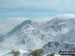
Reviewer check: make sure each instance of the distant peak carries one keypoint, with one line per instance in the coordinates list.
(27, 21)
(65, 16)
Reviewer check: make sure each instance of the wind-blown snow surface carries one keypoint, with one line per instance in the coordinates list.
(33, 35)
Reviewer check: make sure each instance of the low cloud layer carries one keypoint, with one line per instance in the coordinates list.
(7, 24)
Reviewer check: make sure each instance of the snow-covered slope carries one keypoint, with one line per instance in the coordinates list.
(54, 47)
(25, 36)
(34, 35)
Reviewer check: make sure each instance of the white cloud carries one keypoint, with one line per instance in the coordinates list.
(41, 20)
(5, 28)
(14, 21)
(8, 24)
(18, 19)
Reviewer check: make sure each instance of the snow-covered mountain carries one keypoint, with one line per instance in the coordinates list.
(34, 35)
(26, 34)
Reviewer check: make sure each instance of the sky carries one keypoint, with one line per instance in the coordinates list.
(13, 12)
(35, 8)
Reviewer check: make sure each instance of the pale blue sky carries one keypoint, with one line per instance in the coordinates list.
(35, 8)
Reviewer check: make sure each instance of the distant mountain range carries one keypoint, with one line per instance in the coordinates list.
(53, 35)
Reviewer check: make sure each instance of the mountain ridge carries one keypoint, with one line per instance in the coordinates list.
(31, 35)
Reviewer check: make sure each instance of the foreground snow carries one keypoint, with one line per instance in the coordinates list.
(8, 52)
